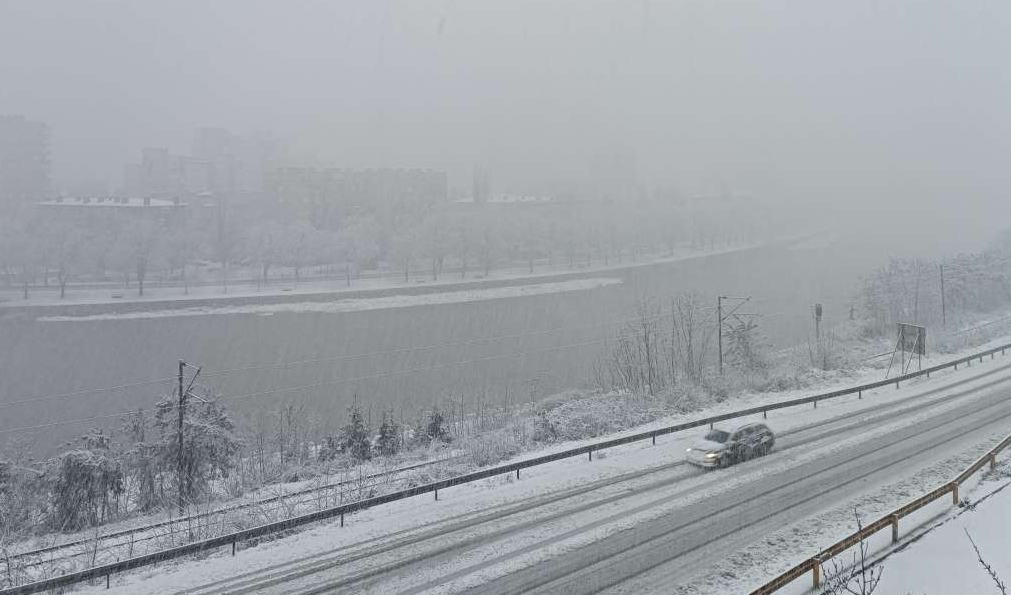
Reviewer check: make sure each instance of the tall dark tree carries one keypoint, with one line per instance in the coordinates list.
(388, 441)
(354, 437)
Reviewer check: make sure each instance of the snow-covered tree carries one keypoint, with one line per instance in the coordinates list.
(210, 444)
(388, 440)
(84, 482)
(354, 436)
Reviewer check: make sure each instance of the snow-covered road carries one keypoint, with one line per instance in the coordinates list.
(642, 521)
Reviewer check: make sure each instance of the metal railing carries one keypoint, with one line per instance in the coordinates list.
(814, 564)
(232, 539)
(87, 546)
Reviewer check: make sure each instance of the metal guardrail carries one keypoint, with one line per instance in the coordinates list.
(813, 564)
(232, 539)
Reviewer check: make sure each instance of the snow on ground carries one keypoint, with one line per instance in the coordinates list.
(943, 561)
(357, 305)
(248, 288)
(504, 490)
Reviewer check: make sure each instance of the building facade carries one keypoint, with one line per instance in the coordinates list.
(25, 161)
(221, 164)
(324, 197)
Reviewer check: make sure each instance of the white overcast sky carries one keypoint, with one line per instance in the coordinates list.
(883, 98)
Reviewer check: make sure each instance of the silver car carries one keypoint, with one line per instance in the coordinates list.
(721, 448)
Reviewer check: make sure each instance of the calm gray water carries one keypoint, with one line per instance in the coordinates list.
(50, 358)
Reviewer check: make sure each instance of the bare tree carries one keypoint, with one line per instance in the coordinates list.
(66, 244)
(489, 247)
(139, 249)
(403, 249)
(435, 242)
(691, 332)
(297, 246)
(181, 246)
(989, 569)
(463, 242)
(265, 244)
(860, 577)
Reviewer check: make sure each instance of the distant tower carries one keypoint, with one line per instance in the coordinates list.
(481, 184)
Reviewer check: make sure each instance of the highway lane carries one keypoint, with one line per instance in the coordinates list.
(557, 543)
(676, 548)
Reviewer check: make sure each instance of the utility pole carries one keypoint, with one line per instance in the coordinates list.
(817, 322)
(182, 413)
(719, 329)
(183, 393)
(944, 314)
(721, 318)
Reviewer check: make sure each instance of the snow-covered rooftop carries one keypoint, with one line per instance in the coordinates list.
(111, 202)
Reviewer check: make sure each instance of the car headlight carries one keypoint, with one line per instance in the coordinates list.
(688, 450)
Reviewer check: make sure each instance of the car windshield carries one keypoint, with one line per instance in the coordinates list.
(717, 436)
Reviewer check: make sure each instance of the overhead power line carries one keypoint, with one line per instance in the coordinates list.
(275, 365)
(87, 391)
(331, 382)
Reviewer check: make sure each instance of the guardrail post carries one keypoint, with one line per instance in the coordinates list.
(517, 474)
(765, 414)
(816, 404)
(993, 460)
(816, 571)
(437, 495)
(1002, 351)
(954, 493)
(896, 385)
(107, 580)
(591, 455)
(342, 523)
(981, 359)
(654, 438)
(956, 365)
(895, 528)
(860, 394)
(233, 541)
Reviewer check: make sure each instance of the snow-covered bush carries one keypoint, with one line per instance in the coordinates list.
(84, 484)
(493, 447)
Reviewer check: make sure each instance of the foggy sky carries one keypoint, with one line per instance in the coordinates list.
(802, 99)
